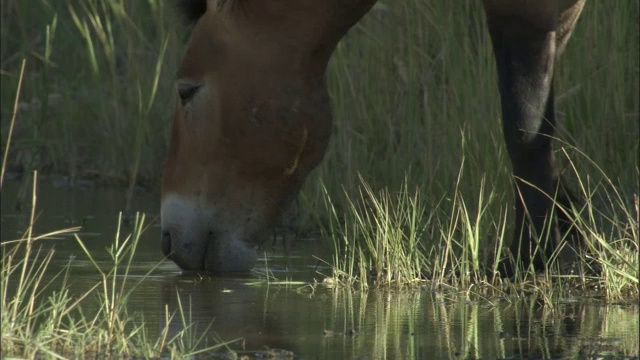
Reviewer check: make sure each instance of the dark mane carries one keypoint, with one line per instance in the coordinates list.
(192, 10)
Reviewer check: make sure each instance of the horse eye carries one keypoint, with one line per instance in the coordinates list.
(186, 91)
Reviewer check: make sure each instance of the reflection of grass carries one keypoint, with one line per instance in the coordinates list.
(397, 239)
(439, 325)
(38, 321)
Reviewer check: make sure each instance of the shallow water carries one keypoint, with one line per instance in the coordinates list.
(313, 322)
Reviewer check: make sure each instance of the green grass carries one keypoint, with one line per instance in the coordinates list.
(417, 120)
(98, 94)
(413, 88)
(398, 239)
(379, 239)
(40, 320)
(415, 189)
(416, 107)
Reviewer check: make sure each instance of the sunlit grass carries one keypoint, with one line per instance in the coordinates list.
(397, 239)
(378, 240)
(416, 107)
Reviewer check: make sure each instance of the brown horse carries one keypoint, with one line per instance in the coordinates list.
(254, 119)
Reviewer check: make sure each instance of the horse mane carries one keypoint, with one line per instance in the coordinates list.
(192, 10)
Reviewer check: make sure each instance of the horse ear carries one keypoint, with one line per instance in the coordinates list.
(192, 10)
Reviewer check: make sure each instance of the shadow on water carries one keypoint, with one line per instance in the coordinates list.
(309, 321)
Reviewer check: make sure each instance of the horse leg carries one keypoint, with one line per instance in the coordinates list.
(525, 58)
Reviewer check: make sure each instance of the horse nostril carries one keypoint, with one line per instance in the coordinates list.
(166, 243)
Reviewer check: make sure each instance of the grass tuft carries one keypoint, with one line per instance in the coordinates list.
(397, 239)
(378, 240)
(41, 321)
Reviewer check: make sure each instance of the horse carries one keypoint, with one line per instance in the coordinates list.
(253, 118)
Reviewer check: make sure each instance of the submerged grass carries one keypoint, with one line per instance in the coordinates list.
(40, 321)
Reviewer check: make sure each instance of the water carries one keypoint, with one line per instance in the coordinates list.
(313, 322)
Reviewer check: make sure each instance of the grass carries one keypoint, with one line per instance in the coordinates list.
(43, 321)
(413, 89)
(95, 71)
(416, 107)
(416, 157)
(415, 100)
(398, 239)
(415, 190)
(13, 121)
(379, 239)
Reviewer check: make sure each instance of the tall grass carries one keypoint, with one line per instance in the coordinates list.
(415, 102)
(414, 93)
(11, 124)
(413, 89)
(399, 239)
(96, 70)
(416, 106)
